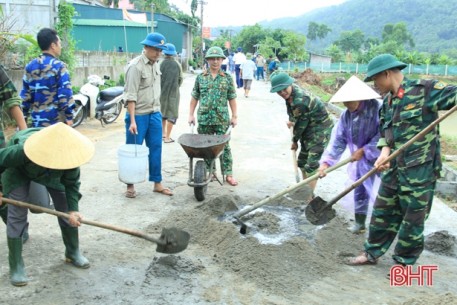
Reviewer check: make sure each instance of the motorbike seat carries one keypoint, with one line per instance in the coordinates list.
(109, 94)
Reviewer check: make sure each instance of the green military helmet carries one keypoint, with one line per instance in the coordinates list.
(280, 81)
(381, 63)
(215, 52)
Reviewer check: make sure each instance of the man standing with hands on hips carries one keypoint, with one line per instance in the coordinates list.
(143, 121)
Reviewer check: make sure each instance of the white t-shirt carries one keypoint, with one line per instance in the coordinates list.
(239, 58)
(248, 68)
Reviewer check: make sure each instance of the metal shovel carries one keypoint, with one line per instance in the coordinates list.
(171, 240)
(319, 212)
(251, 208)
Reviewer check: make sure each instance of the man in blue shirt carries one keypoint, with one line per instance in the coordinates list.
(47, 95)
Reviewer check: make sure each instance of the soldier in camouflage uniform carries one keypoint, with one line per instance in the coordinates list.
(408, 182)
(311, 121)
(213, 88)
(9, 109)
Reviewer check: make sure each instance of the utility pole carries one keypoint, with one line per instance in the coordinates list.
(152, 17)
(202, 4)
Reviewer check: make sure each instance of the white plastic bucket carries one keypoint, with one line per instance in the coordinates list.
(133, 163)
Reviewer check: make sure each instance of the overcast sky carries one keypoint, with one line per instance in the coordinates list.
(248, 12)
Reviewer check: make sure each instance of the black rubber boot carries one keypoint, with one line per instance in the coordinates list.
(72, 255)
(17, 268)
(4, 212)
(359, 225)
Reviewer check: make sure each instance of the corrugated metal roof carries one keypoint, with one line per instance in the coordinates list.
(107, 22)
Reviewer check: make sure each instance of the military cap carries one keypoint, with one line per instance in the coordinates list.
(215, 52)
(171, 49)
(381, 63)
(155, 40)
(280, 81)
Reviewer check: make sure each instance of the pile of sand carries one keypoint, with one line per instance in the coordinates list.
(275, 267)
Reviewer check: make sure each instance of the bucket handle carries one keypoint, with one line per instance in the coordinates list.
(134, 137)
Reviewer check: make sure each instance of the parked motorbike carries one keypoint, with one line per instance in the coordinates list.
(108, 102)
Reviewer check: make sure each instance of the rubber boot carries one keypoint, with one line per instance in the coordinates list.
(17, 268)
(4, 212)
(72, 255)
(359, 225)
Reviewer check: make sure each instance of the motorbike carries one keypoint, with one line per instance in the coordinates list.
(106, 103)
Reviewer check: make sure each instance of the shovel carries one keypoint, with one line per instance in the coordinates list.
(240, 214)
(171, 240)
(319, 212)
(294, 159)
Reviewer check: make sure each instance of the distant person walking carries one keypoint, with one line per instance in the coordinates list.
(239, 58)
(260, 64)
(247, 70)
(171, 80)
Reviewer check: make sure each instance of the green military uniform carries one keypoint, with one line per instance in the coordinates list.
(213, 114)
(407, 187)
(313, 127)
(8, 99)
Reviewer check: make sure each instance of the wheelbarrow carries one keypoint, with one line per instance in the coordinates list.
(202, 146)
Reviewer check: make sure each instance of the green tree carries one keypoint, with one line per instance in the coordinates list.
(269, 46)
(294, 46)
(335, 52)
(397, 33)
(316, 30)
(248, 37)
(64, 28)
(351, 40)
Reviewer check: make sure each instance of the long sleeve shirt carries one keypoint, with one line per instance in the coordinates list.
(18, 170)
(46, 91)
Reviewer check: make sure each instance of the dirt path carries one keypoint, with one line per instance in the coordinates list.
(282, 260)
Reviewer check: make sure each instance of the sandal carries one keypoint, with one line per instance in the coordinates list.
(230, 180)
(130, 194)
(362, 259)
(164, 191)
(168, 141)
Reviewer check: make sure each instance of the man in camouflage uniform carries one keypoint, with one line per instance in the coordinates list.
(311, 121)
(408, 182)
(46, 93)
(213, 88)
(9, 109)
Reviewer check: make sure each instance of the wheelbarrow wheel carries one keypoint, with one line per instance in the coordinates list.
(199, 177)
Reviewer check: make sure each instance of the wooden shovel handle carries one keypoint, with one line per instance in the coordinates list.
(291, 188)
(391, 157)
(88, 222)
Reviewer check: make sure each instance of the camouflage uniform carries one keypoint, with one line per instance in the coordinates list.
(313, 127)
(8, 99)
(407, 188)
(213, 114)
(46, 91)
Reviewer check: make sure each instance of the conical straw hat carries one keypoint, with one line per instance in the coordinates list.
(354, 90)
(59, 146)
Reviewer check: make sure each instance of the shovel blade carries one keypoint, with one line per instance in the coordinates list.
(318, 212)
(172, 241)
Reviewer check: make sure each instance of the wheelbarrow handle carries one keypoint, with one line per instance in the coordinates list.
(291, 188)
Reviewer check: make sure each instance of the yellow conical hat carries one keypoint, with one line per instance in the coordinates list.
(354, 90)
(59, 146)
